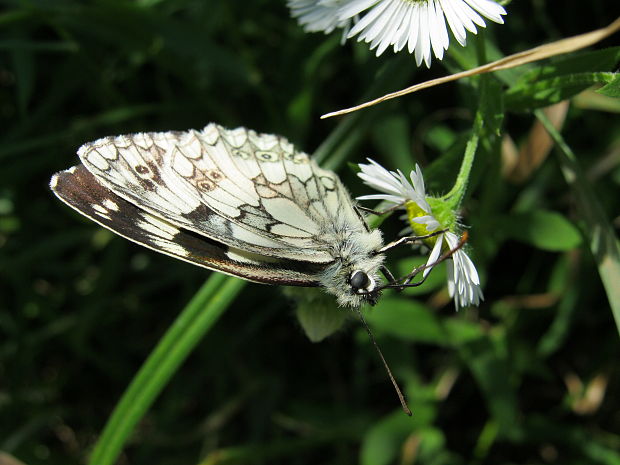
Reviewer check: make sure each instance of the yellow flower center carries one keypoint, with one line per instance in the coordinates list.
(419, 229)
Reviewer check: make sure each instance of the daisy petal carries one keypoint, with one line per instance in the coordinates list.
(432, 258)
(420, 25)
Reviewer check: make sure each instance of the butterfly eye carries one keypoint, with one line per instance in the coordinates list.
(359, 280)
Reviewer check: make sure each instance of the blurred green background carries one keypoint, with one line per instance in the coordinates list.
(532, 376)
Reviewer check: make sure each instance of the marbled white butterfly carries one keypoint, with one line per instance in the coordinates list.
(235, 201)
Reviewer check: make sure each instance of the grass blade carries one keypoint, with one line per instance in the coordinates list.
(187, 330)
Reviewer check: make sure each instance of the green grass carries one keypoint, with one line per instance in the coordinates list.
(107, 348)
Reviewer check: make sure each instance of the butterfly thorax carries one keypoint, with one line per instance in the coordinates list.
(354, 252)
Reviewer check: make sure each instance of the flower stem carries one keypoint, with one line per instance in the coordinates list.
(457, 193)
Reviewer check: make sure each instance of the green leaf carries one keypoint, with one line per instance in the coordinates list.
(588, 62)
(407, 319)
(543, 229)
(544, 92)
(563, 78)
(317, 312)
(612, 89)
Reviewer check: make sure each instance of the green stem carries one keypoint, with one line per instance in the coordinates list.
(187, 330)
(457, 193)
(599, 232)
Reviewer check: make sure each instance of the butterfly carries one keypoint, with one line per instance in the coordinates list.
(232, 200)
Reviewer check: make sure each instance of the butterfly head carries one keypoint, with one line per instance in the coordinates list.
(353, 286)
(364, 285)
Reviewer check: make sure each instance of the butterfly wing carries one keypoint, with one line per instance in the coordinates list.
(79, 189)
(250, 191)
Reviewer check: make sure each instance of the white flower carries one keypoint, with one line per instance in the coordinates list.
(398, 190)
(419, 24)
(462, 276)
(319, 15)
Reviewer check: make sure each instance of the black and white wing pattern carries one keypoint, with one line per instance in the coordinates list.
(251, 191)
(236, 201)
(79, 189)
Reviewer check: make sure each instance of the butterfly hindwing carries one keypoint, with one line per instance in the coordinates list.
(78, 188)
(250, 191)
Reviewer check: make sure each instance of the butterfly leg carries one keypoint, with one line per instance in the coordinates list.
(389, 277)
(406, 280)
(387, 274)
(409, 240)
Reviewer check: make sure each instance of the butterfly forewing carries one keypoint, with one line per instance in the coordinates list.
(250, 191)
(78, 188)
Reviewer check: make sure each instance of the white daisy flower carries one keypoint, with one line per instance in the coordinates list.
(419, 24)
(462, 276)
(320, 15)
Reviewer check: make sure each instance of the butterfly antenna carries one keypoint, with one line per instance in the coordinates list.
(401, 397)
